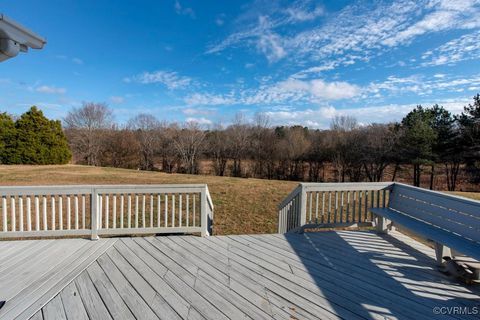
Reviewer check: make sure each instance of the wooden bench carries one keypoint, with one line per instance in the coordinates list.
(451, 222)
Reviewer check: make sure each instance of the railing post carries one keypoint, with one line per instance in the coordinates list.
(94, 214)
(303, 205)
(204, 212)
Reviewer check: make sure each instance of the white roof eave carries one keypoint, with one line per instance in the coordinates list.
(20, 34)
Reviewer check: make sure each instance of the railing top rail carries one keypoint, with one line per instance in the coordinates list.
(346, 186)
(292, 195)
(88, 189)
(209, 198)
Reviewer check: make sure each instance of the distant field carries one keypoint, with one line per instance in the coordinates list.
(241, 205)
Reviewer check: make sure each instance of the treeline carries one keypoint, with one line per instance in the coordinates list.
(32, 139)
(428, 140)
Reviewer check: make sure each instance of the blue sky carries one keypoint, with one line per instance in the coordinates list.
(300, 62)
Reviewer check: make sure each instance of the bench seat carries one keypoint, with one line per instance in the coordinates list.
(450, 221)
(431, 232)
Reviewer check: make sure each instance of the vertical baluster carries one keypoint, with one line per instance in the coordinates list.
(37, 213)
(44, 213)
(336, 208)
(188, 210)
(347, 215)
(323, 207)
(4, 214)
(143, 211)
(360, 197)
(151, 210)
(114, 208)
(310, 207)
(84, 205)
(354, 204)
(384, 199)
(53, 213)
(166, 209)
(100, 211)
(158, 209)
(29, 213)
(60, 211)
(194, 209)
(173, 210)
(122, 199)
(372, 203)
(136, 210)
(107, 210)
(367, 194)
(129, 213)
(75, 203)
(342, 193)
(69, 212)
(316, 207)
(180, 210)
(20, 213)
(329, 207)
(13, 214)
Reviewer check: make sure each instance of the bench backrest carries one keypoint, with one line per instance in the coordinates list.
(451, 213)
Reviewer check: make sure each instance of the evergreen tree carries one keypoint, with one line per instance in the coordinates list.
(7, 139)
(39, 140)
(418, 140)
(470, 128)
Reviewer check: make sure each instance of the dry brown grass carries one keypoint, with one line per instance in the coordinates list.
(242, 206)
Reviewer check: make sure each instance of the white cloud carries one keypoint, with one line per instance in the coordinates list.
(180, 10)
(421, 85)
(321, 117)
(50, 89)
(467, 47)
(320, 89)
(358, 32)
(117, 99)
(170, 79)
(200, 121)
(270, 45)
(302, 13)
(196, 111)
(287, 91)
(209, 99)
(77, 60)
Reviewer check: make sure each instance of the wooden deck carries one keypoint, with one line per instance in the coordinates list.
(327, 275)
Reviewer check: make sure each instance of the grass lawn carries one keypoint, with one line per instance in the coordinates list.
(242, 206)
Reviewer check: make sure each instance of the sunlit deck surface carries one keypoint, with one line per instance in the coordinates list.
(326, 275)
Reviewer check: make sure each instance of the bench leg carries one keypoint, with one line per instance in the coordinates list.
(382, 225)
(441, 251)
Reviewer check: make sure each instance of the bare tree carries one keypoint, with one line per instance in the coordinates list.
(85, 127)
(188, 141)
(218, 149)
(120, 150)
(238, 135)
(146, 127)
(343, 123)
(377, 144)
(344, 148)
(293, 149)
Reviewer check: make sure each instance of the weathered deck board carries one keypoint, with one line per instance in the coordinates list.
(326, 275)
(43, 269)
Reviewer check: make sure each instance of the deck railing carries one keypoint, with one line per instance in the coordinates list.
(331, 204)
(46, 211)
